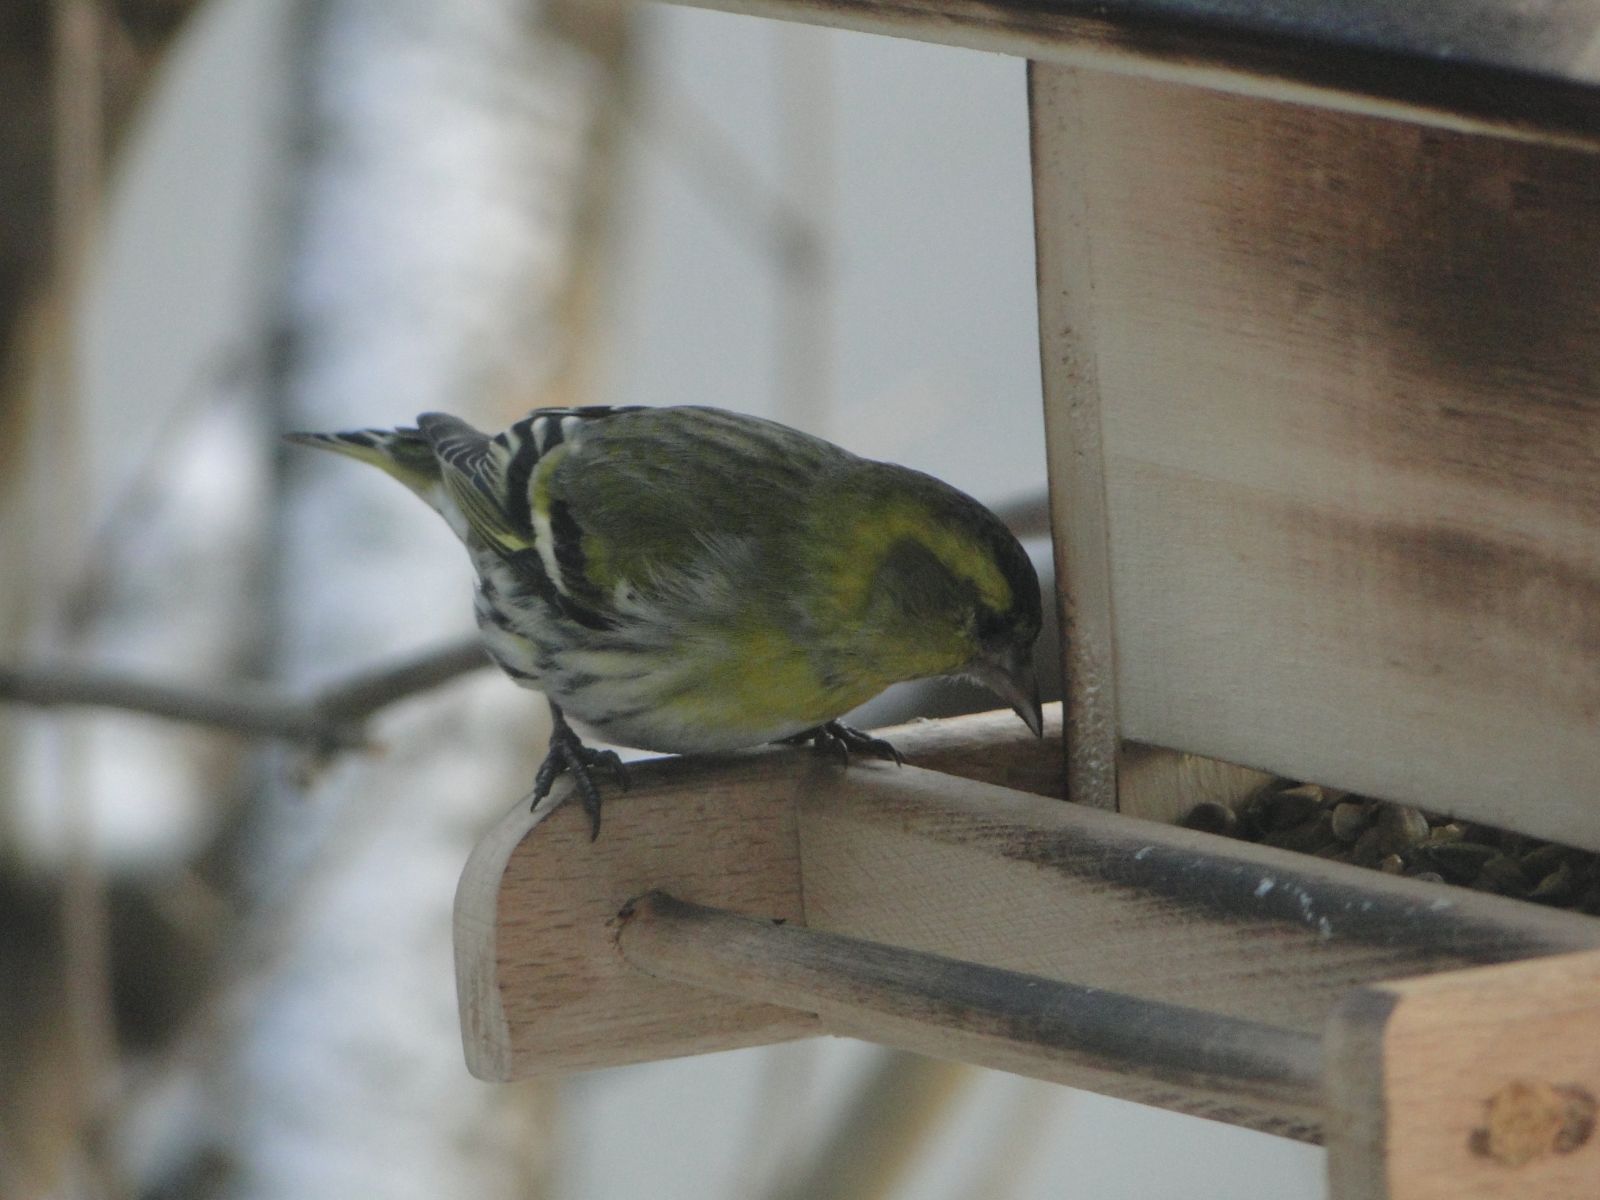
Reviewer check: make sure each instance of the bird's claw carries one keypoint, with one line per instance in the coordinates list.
(568, 755)
(843, 740)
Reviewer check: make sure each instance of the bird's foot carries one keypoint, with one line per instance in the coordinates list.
(843, 740)
(568, 755)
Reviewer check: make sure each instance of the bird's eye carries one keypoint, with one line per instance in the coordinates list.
(986, 624)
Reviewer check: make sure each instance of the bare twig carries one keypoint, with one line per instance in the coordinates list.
(357, 698)
(78, 131)
(784, 1092)
(880, 1132)
(239, 709)
(242, 709)
(77, 73)
(1023, 1132)
(330, 719)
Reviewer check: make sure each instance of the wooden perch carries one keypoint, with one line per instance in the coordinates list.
(927, 863)
(1478, 1083)
(946, 1008)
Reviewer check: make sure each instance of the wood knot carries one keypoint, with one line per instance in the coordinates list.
(1528, 1120)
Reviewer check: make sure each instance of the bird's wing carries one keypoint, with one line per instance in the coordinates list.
(500, 486)
(593, 505)
(402, 453)
(651, 498)
(472, 467)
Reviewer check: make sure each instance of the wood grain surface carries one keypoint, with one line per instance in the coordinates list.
(926, 861)
(1163, 785)
(1524, 68)
(918, 860)
(1347, 373)
(1147, 1051)
(1471, 1085)
(539, 983)
(1075, 452)
(540, 987)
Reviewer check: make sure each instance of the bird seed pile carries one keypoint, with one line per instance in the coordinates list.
(1400, 840)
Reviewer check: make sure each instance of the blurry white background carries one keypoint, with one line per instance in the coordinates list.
(338, 213)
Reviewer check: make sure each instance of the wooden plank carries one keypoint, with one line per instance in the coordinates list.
(1351, 441)
(917, 860)
(1102, 769)
(1073, 442)
(928, 862)
(1472, 1085)
(1147, 1051)
(540, 987)
(1163, 785)
(993, 747)
(1524, 70)
(539, 983)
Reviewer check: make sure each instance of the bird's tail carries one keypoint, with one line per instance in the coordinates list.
(403, 453)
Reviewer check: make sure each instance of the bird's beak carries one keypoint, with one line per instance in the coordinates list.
(1011, 677)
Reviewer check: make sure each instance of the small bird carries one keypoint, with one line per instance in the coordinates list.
(691, 580)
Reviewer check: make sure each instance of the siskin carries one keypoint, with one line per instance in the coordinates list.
(692, 580)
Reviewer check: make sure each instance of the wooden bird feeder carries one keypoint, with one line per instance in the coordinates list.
(1319, 296)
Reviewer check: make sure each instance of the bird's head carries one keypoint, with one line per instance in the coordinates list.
(940, 586)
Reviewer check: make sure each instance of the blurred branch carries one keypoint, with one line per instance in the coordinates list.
(366, 692)
(133, 36)
(79, 127)
(1026, 1129)
(784, 1091)
(78, 102)
(804, 345)
(333, 718)
(877, 1137)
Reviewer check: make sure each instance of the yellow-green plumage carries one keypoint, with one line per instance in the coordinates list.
(688, 579)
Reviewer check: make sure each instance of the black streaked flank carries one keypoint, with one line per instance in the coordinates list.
(519, 473)
(568, 538)
(494, 612)
(625, 714)
(583, 615)
(529, 569)
(528, 441)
